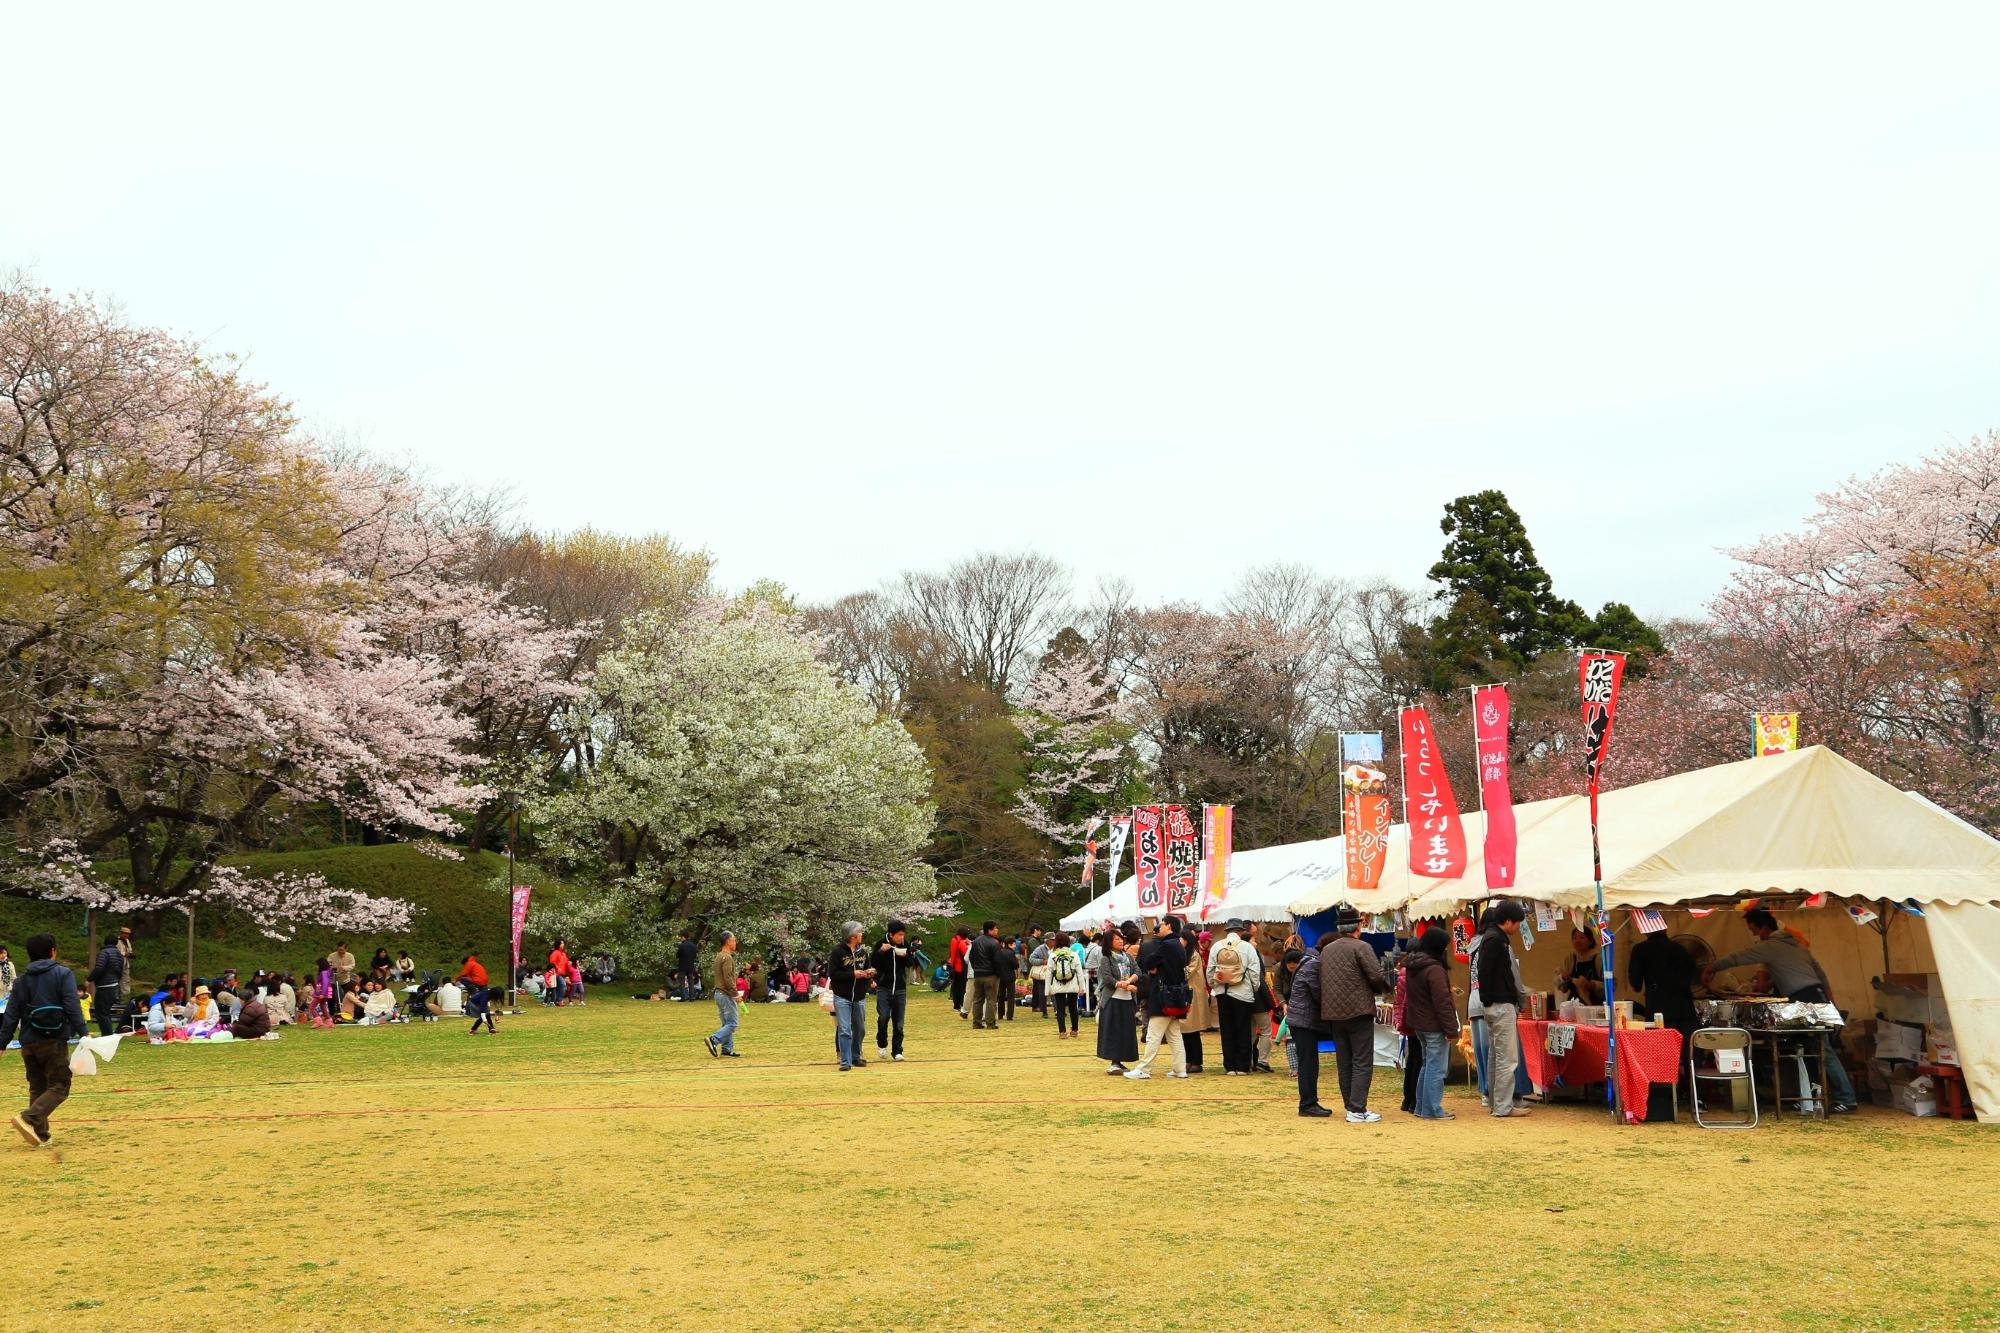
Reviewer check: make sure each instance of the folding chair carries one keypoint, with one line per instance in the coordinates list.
(1724, 1046)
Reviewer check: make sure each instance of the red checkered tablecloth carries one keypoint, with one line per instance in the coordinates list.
(1645, 1056)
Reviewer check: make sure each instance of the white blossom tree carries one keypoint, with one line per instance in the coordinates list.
(1076, 755)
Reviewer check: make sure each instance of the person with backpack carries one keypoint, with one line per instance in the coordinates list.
(1065, 986)
(1163, 964)
(43, 1008)
(1236, 976)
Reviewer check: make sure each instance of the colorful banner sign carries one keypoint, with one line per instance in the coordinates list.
(1364, 808)
(1183, 869)
(1149, 859)
(1121, 829)
(1218, 841)
(1775, 733)
(522, 892)
(1490, 722)
(1598, 677)
(1089, 851)
(1649, 921)
(1437, 836)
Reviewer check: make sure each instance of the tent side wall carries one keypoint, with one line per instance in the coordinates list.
(1966, 937)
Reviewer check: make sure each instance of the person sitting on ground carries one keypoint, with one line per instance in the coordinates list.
(280, 1001)
(380, 1006)
(379, 965)
(203, 1008)
(252, 1021)
(447, 1001)
(353, 1001)
(406, 966)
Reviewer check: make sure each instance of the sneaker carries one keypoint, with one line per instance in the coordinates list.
(734, 1055)
(1363, 1117)
(1182, 1074)
(1842, 1109)
(861, 1064)
(1115, 1070)
(713, 1049)
(895, 1057)
(28, 1132)
(1137, 1073)
(881, 1052)
(1315, 1112)
(1514, 1114)
(1442, 1115)
(845, 1068)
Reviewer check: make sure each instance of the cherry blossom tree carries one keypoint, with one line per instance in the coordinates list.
(1077, 754)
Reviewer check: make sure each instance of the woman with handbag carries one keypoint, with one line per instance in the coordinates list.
(1117, 992)
(1163, 966)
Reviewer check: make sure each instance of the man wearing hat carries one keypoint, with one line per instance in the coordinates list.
(1235, 973)
(108, 974)
(1350, 977)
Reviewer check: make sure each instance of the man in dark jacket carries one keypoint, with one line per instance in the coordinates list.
(252, 1021)
(1500, 998)
(107, 979)
(851, 977)
(1350, 977)
(43, 1008)
(891, 960)
(984, 962)
(1163, 975)
(1010, 971)
(687, 967)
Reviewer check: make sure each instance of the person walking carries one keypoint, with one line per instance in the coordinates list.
(982, 960)
(1163, 967)
(956, 966)
(43, 1007)
(850, 976)
(1117, 1000)
(1500, 1006)
(1236, 975)
(1431, 1016)
(722, 1041)
(1302, 1024)
(108, 972)
(559, 972)
(1065, 986)
(1350, 977)
(478, 1000)
(892, 960)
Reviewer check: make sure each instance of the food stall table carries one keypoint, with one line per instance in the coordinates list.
(1775, 1039)
(1645, 1056)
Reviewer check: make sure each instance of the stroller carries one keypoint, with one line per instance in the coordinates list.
(417, 1007)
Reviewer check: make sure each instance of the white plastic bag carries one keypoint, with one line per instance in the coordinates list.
(83, 1060)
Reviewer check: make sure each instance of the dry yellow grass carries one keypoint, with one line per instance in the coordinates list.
(595, 1168)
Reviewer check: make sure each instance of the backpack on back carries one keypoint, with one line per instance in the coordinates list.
(1228, 964)
(1062, 967)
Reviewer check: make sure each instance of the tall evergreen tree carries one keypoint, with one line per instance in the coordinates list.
(1488, 557)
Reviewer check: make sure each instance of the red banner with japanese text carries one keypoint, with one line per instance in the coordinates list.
(1598, 678)
(1490, 721)
(1364, 808)
(1437, 836)
(522, 892)
(1149, 859)
(1183, 843)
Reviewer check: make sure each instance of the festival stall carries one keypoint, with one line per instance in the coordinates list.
(1882, 884)
(1261, 886)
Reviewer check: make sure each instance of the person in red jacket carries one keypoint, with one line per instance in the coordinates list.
(559, 970)
(478, 1001)
(961, 944)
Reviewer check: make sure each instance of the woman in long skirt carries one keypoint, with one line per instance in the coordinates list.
(1117, 1021)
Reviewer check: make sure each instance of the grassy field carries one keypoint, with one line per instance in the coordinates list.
(596, 1168)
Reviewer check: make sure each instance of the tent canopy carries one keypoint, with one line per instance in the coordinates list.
(1805, 822)
(1262, 884)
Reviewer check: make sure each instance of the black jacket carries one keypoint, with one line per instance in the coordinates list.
(46, 982)
(1496, 969)
(1010, 964)
(985, 956)
(1162, 961)
(687, 958)
(841, 967)
(108, 969)
(892, 974)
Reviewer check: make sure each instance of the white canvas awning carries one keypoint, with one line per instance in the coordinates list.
(1262, 884)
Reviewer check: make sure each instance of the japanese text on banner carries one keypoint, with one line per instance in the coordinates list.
(1437, 836)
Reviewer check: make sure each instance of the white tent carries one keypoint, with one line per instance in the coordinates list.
(1803, 823)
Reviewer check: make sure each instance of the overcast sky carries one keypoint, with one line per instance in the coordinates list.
(1163, 291)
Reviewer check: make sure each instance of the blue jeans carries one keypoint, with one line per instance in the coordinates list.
(1430, 1078)
(1522, 1084)
(889, 1008)
(725, 1036)
(850, 1020)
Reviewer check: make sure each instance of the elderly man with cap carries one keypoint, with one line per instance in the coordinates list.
(1350, 977)
(109, 973)
(1235, 974)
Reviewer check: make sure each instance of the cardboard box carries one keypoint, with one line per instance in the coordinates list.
(1898, 1041)
(1918, 1104)
(1942, 1051)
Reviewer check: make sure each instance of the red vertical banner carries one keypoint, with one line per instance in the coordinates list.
(1490, 720)
(1149, 859)
(1598, 678)
(1437, 835)
(522, 892)
(1218, 841)
(1183, 844)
